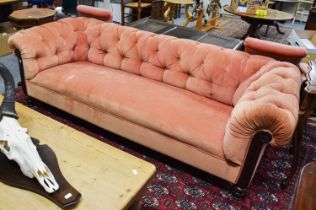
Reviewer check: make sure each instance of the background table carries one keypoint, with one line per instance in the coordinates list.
(31, 17)
(170, 6)
(256, 21)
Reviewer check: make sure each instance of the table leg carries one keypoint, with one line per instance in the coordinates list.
(166, 14)
(169, 13)
(275, 23)
(188, 16)
(252, 31)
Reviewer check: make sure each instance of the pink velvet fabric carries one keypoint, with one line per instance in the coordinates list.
(207, 70)
(165, 83)
(268, 100)
(53, 44)
(181, 114)
(275, 50)
(94, 12)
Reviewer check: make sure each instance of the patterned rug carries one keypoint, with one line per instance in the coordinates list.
(178, 186)
(237, 28)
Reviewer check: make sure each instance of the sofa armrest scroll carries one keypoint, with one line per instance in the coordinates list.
(52, 44)
(269, 102)
(93, 12)
(277, 51)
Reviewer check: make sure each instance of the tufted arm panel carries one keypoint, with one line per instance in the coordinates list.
(52, 44)
(268, 100)
(208, 70)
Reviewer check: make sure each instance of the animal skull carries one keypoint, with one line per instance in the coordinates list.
(17, 145)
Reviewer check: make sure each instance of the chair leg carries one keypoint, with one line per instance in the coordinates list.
(139, 12)
(122, 15)
(267, 29)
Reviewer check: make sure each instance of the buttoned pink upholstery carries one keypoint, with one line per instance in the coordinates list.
(275, 50)
(176, 96)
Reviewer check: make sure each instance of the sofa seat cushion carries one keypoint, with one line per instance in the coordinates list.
(188, 117)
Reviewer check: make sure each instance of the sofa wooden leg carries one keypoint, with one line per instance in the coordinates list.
(257, 145)
(239, 192)
(29, 102)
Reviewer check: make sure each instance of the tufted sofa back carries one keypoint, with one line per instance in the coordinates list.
(208, 70)
(52, 44)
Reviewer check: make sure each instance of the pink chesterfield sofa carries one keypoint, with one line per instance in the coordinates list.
(213, 108)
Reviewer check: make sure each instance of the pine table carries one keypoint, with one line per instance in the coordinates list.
(107, 178)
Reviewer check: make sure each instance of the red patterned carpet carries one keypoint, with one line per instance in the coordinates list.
(178, 186)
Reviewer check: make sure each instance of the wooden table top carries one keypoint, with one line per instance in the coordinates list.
(107, 178)
(179, 1)
(32, 13)
(272, 14)
(8, 1)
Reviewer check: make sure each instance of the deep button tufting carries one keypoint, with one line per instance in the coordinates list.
(283, 76)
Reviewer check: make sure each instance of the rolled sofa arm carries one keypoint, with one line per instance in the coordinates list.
(267, 101)
(274, 50)
(98, 13)
(52, 44)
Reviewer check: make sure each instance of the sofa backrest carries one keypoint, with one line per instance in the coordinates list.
(52, 44)
(208, 70)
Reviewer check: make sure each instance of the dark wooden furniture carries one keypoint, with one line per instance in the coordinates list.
(257, 21)
(160, 27)
(6, 7)
(25, 18)
(311, 20)
(307, 107)
(137, 6)
(306, 188)
(157, 9)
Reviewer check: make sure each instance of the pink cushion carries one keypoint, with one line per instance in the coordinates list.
(98, 13)
(176, 112)
(208, 70)
(53, 44)
(275, 50)
(268, 100)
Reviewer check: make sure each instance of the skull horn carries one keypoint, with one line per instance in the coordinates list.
(8, 104)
